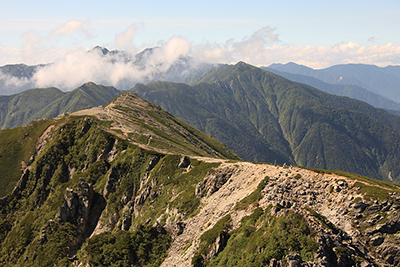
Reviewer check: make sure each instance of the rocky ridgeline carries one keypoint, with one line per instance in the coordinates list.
(354, 222)
(350, 231)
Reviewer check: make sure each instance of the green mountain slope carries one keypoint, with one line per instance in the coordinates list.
(128, 184)
(22, 108)
(349, 90)
(129, 117)
(20, 71)
(264, 117)
(127, 138)
(382, 81)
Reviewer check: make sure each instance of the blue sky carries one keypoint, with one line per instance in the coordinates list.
(314, 33)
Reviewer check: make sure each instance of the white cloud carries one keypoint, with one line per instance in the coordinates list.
(9, 55)
(263, 47)
(71, 27)
(74, 69)
(325, 56)
(174, 49)
(13, 81)
(250, 49)
(10, 85)
(80, 66)
(32, 49)
(124, 41)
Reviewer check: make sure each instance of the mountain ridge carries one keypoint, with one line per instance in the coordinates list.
(351, 91)
(91, 195)
(22, 108)
(382, 81)
(284, 118)
(150, 64)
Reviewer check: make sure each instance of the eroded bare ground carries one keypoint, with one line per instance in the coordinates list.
(293, 188)
(244, 181)
(127, 116)
(110, 114)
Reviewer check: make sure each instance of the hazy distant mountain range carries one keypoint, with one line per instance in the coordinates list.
(352, 91)
(377, 86)
(381, 81)
(120, 69)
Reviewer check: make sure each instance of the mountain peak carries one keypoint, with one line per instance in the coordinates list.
(99, 49)
(241, 63)
(150, 127)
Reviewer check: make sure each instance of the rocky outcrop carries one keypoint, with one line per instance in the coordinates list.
(390, 226)
(152, 162)
(175, 227)
(41, 142)
(213, 182)
(218, 246)
(184, 163)
(388, 249)
(142, 196)
(214, 249)
(126, 222)
(112, 179)
(77, 210)
(108, 151)
(76, 206)
(21, 183)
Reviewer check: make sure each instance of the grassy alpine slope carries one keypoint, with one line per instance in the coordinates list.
(34, 104)
(352, 91)
(93, 162)
(128, 184)
(264, 117)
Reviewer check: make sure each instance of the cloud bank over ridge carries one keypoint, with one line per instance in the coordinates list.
(262, 48)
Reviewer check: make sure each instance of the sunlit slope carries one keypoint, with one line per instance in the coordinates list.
(264, 117)
(22, 108)
(127, 116)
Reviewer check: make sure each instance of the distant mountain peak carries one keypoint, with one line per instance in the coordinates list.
(99, 49)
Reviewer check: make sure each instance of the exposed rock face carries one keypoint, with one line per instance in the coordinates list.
(142, 196)
(41, 142)
(176, 228)
(76, 206)
(39, 146)
(326, 202)
(391, 226)
(113, 178)
(126, 222)
(213, 182)
(76, 210)
(219, 245)
(184, 163)
(152, 162)
(21, 183)
(389, 250)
